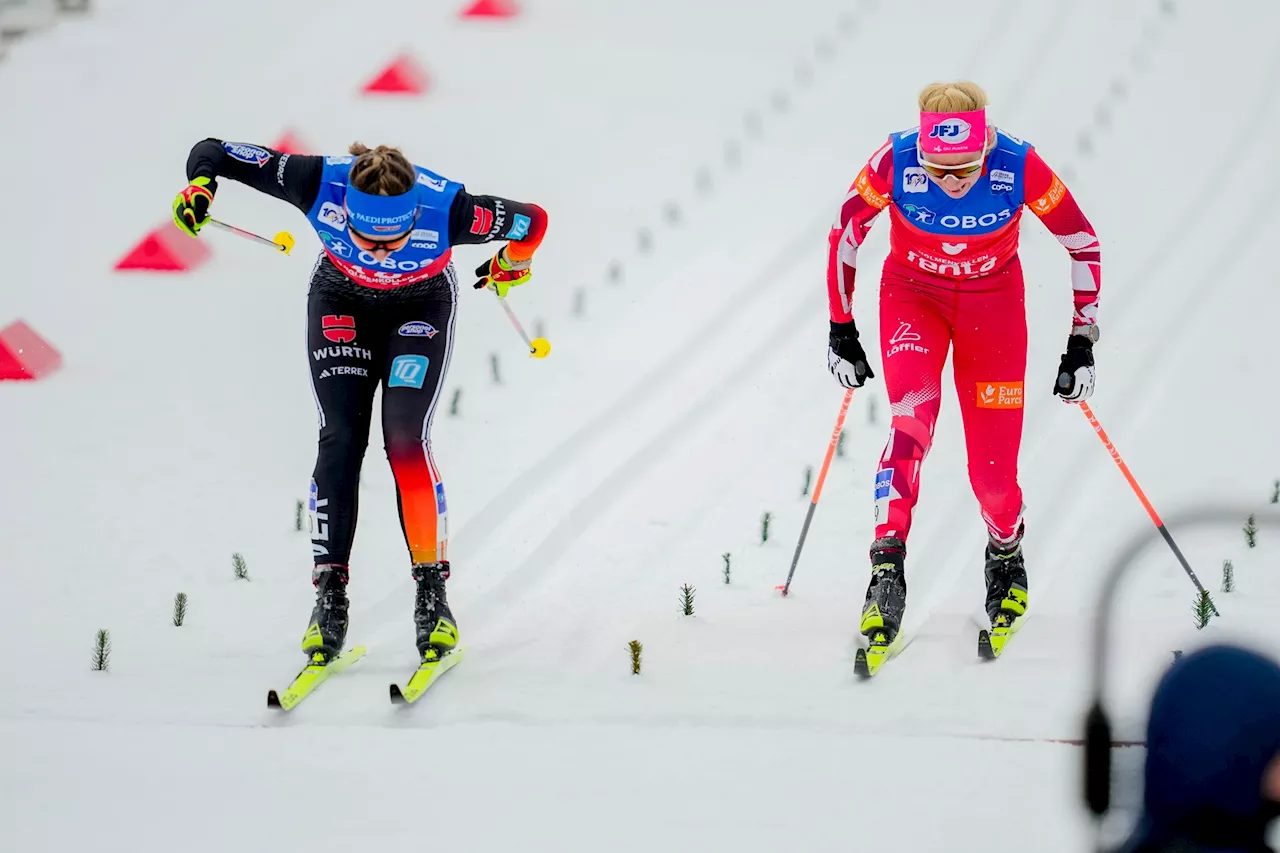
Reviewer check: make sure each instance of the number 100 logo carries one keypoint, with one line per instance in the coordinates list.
(408, 371)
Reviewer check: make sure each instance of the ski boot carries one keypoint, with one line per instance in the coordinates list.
(1006, 575)
(328, 629)
(437, 632)
(885, 603)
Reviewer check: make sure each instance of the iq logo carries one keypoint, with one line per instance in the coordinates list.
(408, 371)
(952, 131)
(442, 506)
(519, 227)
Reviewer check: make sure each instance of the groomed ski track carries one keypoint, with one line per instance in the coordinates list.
(586, 488)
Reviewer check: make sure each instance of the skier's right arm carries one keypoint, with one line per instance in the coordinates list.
(294, 178)
(871, 193)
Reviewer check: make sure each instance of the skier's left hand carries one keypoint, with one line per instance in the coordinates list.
(1076, 376)
(502, 274)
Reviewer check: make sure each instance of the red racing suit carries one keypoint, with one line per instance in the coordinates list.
(952, 279)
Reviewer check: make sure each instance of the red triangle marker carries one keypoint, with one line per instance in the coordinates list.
(404, 76)
(165, 249)
(491, 9)
(291, 143)
(26, 355)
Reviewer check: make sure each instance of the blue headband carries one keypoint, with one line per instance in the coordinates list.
(382, 216)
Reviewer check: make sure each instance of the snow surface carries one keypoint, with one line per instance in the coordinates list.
(586, 488)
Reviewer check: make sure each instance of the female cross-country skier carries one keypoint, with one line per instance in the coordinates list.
(955, 188)
(381, 310)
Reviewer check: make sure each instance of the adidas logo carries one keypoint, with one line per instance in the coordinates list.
(325, 374)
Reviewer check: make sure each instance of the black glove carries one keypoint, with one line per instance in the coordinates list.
(846, 359)
(1076, 375)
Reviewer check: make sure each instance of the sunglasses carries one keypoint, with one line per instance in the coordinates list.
(364, 244)
(962, 171)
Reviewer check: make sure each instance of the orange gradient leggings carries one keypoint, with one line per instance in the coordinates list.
(358, 340)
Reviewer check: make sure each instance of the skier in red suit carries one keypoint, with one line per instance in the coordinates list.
(955, 189)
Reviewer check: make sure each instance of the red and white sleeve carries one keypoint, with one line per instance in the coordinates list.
(871, 193)
(1049, 199)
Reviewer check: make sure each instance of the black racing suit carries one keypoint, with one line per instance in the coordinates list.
(359, 338)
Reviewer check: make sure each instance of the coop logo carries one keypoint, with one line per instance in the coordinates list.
(339, 328)
(999, 395)
(418, 329)
(333, 216)
(425, 239)
(914, 180)
(247, 153)
(952, 131)
(905, 340)
(437, 184)
(1001, 181)
(408, 371)
(919, 215)
(968, 222)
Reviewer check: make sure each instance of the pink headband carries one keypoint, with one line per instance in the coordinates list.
(953, 133)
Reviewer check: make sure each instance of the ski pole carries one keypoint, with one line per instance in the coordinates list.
(1142, 497)
(283, 241)
(538, 347)
(817, 489)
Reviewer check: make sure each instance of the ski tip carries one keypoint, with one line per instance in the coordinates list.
(985, 650)
(860, 665)
(397, 698)
(273, 700)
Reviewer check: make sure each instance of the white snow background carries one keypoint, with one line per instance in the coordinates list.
(586, 488)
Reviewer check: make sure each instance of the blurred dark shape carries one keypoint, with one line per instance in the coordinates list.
(1212, 776)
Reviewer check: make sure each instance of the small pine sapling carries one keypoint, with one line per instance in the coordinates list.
(764, 527)
(726, 568)
(102, 651)
(808, 480)
(238, 566)
(1275, 493)
(840, 446)
(1228, 576)
(637, 649)
(297, 516)
(453, 405)
(686, 599)
(179, 609)
(1203, 609)
(1177, 655)
(579, 302)
(493, 363)
(871, 410)
(1251, 531)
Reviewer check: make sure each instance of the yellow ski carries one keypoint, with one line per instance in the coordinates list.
(867, 662)
(312, 676)
(428, 672)
(991, 643)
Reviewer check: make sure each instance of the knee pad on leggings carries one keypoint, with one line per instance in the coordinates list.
(909, 440)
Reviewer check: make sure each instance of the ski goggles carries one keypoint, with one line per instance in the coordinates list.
(365, 244)
(959, 172)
